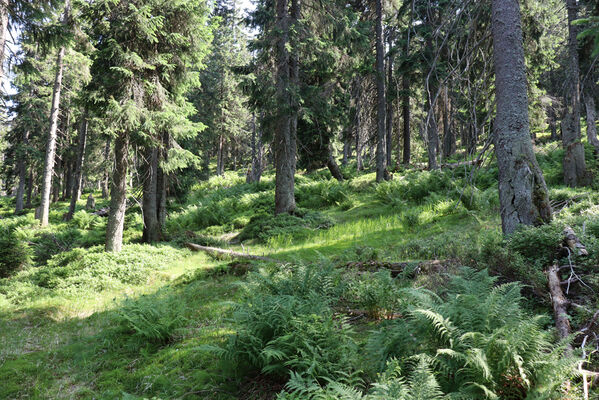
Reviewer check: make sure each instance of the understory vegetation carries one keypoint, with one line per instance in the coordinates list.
(401, 290)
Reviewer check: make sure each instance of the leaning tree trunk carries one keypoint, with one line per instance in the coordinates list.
(522, 190)
(389, 123)
(575, 173)
(51, 143)
(591, 122)
(78, 176)
(118, 195)
(333, 167)
(21, 167)
(380, 94)
(284, 144)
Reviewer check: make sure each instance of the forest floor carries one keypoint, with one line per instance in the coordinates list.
(65, 323)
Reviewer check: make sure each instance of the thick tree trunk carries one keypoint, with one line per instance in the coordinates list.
(151, 231)
(333, 167)
(389, 123)
(284, 143)
(22, 169)
(575, 173)
(381, 159)
(294, 67)
(78, 176)
(118, 195)
(358, 127)
(591, 122)
(522, 189)
(106, 174)
(51, 143)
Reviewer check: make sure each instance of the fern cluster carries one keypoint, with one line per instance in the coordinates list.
(473, 340)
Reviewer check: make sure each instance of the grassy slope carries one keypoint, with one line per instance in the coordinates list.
(65, 345)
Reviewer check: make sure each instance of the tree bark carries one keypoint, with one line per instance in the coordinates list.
(389, 123)
(448, 133)
(333, 167)
(591, 122)
(51, 143)
(432, 133)
(22, 174)
(284, 143)
(30, 185)
(151, 231)
(220, 156)
(78, 176)
(106, 175)
(406, 121)
(381, 159)
(522, 189)
(255, 171)
(4, 5)
(575, 173)
(118, 195)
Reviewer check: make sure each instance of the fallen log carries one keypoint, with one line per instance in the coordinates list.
(573, 243)
(560, 305)
(230, 253)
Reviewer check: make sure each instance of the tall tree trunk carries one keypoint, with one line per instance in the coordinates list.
(118, 195)
(68, 180)
(78, 176)
(592, 122)
(106, 172)
(4, 5)
(522, 190)
(575, 173)
(57, 179)
(220, 156)
(255, 171)
(150, 197)
(21, 167)
(406, 120)
(333, 167)
(51, 143)
(358, 127)
(284, 143)
(294, 68)
(432, 133)
(390, 86)
(30, 184)
(448, 133)
(381, 159)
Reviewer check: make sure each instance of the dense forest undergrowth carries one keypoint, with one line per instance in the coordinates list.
(405, 289)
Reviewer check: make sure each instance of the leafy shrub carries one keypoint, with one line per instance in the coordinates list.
(414, 187)
(14, 253)
(94, 269)
(153, 318)
(264, 226)
(376, 293)
(49, 243)
(322, 193)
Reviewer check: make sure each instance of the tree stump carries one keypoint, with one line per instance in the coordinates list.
(91, 203)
